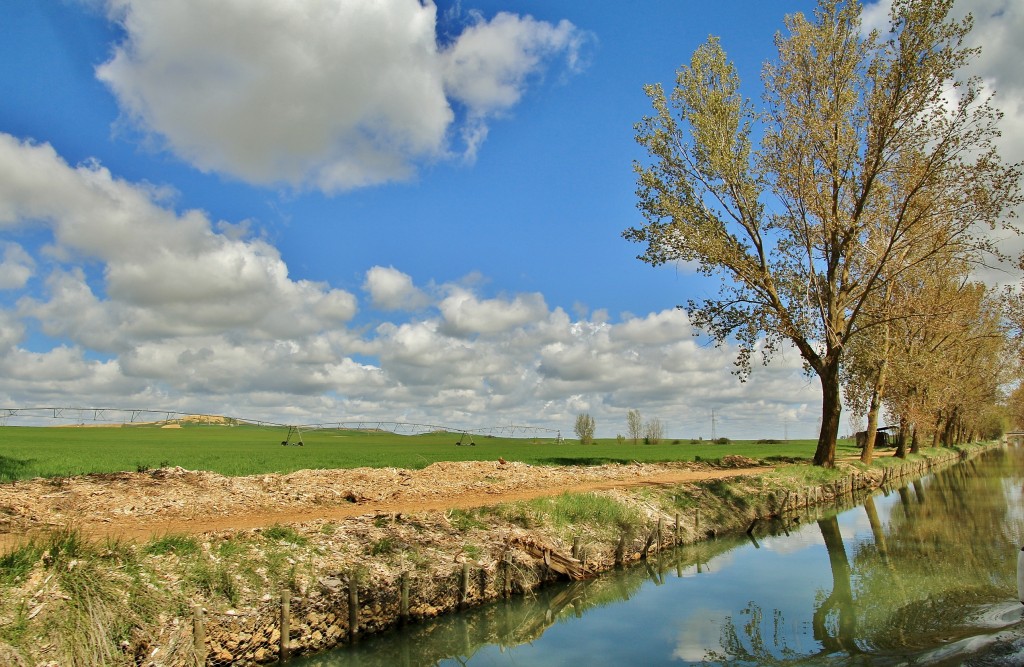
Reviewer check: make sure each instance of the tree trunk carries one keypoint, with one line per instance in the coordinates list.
(831, 409)
(901, 439)
(878, 391)
(901, 451)
(947, 433)
(915, 442)
(873, 409)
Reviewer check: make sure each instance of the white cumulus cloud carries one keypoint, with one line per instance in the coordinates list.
(390, 289)
(328, 94)
(464, 314)
(16, 266)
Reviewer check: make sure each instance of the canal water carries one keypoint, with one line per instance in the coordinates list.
(919, 575)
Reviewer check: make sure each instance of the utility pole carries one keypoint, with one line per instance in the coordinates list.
(714, 435)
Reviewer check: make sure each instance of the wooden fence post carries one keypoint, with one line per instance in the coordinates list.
(199, 634)
(353, 608)
(464, 587)
(404, 606)
(286, 622)
(506, 566)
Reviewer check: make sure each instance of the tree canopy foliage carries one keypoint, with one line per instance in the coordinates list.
(877, 159)
(585, 428)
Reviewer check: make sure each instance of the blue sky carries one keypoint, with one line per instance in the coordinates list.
(340, 210)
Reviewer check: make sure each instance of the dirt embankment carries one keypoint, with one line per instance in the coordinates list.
(138, 506)
(453, 534)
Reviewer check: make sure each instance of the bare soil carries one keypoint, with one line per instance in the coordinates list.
(138, 506)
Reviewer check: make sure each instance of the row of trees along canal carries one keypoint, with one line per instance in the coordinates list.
(853, 231)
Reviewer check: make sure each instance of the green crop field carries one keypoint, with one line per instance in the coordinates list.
(27, 452)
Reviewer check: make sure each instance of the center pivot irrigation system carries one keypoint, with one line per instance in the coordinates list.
(70, 416)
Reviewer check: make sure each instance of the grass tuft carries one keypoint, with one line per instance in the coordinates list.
(181, 545)
(16, 564)
(384, 546)
(279, 533)
(587, 508)
(463, 520)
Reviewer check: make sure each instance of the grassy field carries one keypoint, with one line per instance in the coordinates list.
(27, 452)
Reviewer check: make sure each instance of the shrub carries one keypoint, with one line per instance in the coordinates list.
(653, 432)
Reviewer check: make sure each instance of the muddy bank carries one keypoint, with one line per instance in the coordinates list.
(345, 578)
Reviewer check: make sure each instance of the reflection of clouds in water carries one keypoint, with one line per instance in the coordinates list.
(716, 564)
(701, 630)
(855, 528)
(806, 535)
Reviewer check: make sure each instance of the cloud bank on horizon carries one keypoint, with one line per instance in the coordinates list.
(121, 286)
(186, 316)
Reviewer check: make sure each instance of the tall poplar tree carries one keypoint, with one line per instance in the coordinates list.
(874, 156)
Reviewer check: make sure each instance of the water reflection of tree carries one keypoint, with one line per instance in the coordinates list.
(904, 589)
(748, 645)
(910, 587)
(834, 620)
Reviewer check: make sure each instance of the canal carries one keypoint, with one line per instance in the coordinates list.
(919, 575)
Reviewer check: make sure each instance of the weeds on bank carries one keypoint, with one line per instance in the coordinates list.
(280, 533)
(570, 509)
(799, 475)
(181, 545)
(88, 598)
(16, 564)
(214, 580)
(231, 548)
(384, 546)
(465, 520)
(90, 601)
(588, 508)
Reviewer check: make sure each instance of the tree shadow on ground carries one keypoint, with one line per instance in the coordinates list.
(581, 460)
(11, 468)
